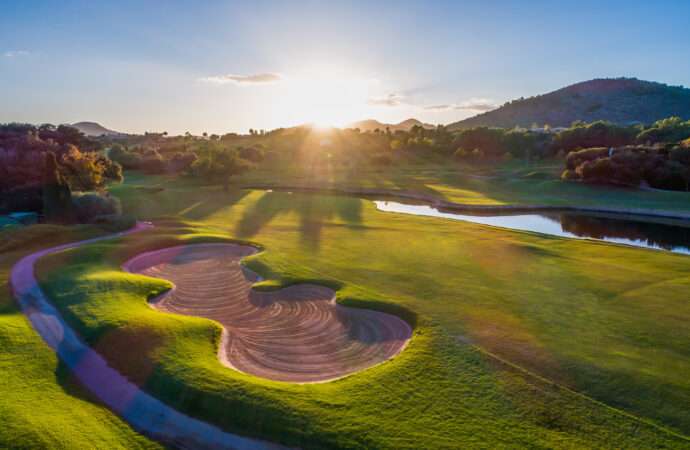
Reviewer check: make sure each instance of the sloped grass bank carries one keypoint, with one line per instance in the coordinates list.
(40, 406)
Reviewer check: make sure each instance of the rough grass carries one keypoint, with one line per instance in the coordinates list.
(40, 406)
(490, 307)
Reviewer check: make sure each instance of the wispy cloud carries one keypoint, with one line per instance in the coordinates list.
(439, 107)
(253, 79)
(15, 53)
(477, 104)
(387, 100)
(473, 104)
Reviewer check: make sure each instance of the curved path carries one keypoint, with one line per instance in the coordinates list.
(144, 413)
(297, 334)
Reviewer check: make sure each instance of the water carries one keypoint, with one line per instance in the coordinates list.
(670, 235)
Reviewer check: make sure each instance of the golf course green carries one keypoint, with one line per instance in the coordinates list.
(519, 339)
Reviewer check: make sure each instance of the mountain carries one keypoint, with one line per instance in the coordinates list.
(95, 129)
(405, 125)
(618, 100)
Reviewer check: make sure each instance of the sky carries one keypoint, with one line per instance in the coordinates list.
(221, 67)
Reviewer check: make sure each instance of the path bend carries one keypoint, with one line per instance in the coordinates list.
(143, 412)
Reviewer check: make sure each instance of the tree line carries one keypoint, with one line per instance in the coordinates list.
(41, 167)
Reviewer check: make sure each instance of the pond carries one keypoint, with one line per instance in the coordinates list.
(660, 234)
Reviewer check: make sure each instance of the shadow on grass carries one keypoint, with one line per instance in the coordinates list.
(214, 202)
(314, 213)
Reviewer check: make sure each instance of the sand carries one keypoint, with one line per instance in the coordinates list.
(297, 334)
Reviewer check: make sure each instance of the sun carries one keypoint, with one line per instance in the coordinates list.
(324, 125)
(326, 97)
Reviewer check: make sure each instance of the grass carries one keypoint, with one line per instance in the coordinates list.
(520, 340)
(40, 406)
(510, 183)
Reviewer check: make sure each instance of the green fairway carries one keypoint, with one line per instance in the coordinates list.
(496, 314)
(515, 183)
(40, 406)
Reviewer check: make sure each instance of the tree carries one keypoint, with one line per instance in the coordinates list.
(88, 171)
(57, 196)
(228, 165)
(219, 165)
(252, 154)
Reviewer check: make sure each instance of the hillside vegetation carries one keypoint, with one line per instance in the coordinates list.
(620, 100)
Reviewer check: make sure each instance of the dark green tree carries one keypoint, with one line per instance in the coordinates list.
(57, 196)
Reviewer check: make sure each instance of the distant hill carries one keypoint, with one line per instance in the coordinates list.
(95, 129)
(405, 125)
(619, 100)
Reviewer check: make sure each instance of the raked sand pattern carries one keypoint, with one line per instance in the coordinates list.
(297, 334)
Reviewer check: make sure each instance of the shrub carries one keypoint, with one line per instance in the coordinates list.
(127, 159)
(477, 154)
(252, 154)
(598, 170)
(182, 161)
(91, 207)
(460, 153)
(630, 165)
(672, 129)
(219, 166)
(575, 159)
(596, 134)
(152, 162)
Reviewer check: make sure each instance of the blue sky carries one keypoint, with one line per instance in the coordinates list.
(228, 66)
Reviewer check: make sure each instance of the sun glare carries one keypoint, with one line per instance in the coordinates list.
(327, 98)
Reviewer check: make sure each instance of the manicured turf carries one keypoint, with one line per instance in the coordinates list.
(607, 321)
(40, 406)
(509, 183)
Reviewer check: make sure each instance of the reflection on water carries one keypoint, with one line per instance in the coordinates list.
(620, 229)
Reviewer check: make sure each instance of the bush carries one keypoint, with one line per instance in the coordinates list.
(477, 154)
(598, 170)
(630, 165)
(127, 159)
(252, 154)
(460, 153)
(673, 129)
(219, 166)
(182, 161)
(152, 162)
(91, 207)
(596, 134)
(575, 159)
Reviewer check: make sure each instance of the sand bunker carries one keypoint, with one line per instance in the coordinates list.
(297, 334)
